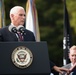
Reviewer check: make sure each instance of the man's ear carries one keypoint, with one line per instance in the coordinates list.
(11, 16)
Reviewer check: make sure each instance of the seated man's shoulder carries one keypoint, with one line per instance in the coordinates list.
(67, 66)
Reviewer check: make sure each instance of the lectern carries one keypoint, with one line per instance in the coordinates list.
(39, 65)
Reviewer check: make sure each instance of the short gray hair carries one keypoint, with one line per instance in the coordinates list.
(14, 9)
(73, 47)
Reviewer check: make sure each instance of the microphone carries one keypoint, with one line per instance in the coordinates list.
(12, 29)
(15, 30)
(21, 32)
(21, 29)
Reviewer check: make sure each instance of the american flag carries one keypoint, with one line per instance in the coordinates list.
(32, 19)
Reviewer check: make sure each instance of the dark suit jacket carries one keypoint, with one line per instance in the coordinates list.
(51, 64)
(68, 66)
(7, 36)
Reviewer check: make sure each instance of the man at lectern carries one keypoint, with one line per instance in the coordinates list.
(16, 31)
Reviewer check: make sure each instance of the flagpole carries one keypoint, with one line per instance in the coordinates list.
(2, 14)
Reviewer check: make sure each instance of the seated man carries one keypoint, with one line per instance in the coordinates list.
(71, 66)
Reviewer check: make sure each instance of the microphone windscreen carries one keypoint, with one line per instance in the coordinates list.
(12, 29)
(21, 28)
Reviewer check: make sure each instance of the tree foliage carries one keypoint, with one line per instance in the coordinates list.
(72, 17)
(72, 12)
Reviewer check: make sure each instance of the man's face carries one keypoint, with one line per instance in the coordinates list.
(72, 56)
(19, 17)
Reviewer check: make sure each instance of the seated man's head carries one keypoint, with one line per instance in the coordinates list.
(72, 54)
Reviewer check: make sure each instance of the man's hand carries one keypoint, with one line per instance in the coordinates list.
(60, 69)
(71, 69)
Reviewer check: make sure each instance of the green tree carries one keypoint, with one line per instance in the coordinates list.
(72, 18)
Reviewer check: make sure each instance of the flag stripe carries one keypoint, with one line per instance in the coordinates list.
(2, 14)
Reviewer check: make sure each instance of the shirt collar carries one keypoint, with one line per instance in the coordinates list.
(13, 25)
(71, 64)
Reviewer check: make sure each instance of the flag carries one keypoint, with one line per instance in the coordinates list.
(67, 40)
(2, 14)
(32, 19)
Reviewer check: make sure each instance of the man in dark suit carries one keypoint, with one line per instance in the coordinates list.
(71, 66)
(10, 33)
(58, 69)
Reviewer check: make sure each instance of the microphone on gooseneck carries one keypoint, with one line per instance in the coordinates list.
(12, 29)
(21, 29)
(21, 32)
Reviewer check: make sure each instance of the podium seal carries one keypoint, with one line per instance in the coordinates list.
(22, 57)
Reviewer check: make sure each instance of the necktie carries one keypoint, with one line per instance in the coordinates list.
(20, 36)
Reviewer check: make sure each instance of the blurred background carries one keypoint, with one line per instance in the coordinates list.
(51, 21)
